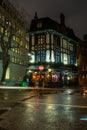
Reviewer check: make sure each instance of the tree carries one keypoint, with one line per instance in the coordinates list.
(5, 45)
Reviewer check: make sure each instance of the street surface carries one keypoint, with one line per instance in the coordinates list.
(28, 109)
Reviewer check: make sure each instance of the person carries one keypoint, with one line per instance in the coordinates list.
(40, 82)
(25, 82)
(43, 83)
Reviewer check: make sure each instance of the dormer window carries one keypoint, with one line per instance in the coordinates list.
(39, 25)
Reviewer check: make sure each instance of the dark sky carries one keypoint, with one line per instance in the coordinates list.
(75, 12)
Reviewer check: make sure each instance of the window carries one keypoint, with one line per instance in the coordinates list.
(41, 39)
(40, 56)
(56, 40)
(1, 29)
(57, 57)
(70, 47)
(48, 58)
(13, 59)
(8, 73)
(64, 58)
(14, 37)
(39, 25)
(65, 44)
(72, 59)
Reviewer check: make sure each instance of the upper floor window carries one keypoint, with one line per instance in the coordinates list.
(56, 40)
(71, 47)
(57, 57)
(65, 44)
(39, 25)
(40, 56)
(41, 39)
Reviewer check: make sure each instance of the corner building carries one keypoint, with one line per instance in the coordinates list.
(54, 46)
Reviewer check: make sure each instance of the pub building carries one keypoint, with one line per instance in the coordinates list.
(53, 48)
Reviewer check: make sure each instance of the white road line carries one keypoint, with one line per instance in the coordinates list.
(13, 87)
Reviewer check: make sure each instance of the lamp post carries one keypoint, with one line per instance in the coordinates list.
(41, 67)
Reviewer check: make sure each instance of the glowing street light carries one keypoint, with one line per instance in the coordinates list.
(49, 69)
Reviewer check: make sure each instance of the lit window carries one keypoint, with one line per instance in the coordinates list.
(39, 25)
(3, 18)
(70, 47)
(13, 59)
(52, 56)
(48, 56)
(1, 30)
(41, 39)
(64, 58)
(8, 73)
(65, 44)
(14, 38)
(57, 57)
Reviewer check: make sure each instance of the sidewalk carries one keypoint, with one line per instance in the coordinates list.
(41, 88)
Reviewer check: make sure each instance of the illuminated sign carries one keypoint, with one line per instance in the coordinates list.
(41, 67)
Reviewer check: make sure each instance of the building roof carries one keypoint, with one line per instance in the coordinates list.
(48, 23)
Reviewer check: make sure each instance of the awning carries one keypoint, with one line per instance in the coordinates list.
(36, 67)
(54, 67)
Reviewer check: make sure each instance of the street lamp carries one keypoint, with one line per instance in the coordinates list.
(49, 69)
(41, 67)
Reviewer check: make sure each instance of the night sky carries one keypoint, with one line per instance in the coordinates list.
(75, 12)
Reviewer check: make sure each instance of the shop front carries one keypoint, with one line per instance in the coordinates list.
(52, 77)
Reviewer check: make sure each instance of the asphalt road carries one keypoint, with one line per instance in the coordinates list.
(64, 109)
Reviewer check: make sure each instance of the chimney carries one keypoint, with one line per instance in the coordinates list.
(35, 17)
(62, 19)
(85, 37)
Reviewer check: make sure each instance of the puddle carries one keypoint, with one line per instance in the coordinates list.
(3, 110)
(3, 128)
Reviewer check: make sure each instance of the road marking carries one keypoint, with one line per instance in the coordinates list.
(5, 108)
(83, 119)
(62, 105)
(13, 87)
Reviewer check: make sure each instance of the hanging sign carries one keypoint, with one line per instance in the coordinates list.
(41, 67)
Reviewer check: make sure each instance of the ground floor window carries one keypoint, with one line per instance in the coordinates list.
(8, 73)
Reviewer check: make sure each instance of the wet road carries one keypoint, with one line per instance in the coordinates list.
(65, 109)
